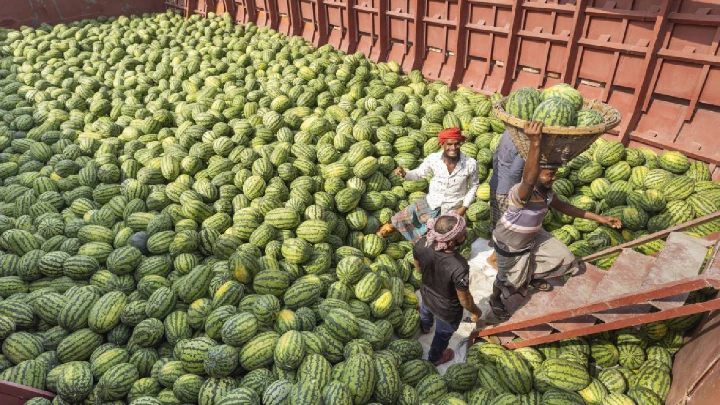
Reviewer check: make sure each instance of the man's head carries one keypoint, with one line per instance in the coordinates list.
(547, 177)
(447, 231)
(450, 139)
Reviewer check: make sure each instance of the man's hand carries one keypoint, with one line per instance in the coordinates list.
(400, 172)
(531, 171)
(533, 130)
(461, 211)
(611, 222)
(476, 316)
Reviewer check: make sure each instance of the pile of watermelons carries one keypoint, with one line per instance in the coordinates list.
(188, 212)
(559, 105)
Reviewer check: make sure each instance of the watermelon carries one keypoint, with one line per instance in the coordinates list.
(588, 117)
(555, 111)
(522, 103)
(566, 92)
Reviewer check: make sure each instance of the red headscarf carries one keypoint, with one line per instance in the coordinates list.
(450, 133)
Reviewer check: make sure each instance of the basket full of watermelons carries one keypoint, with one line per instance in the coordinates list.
(571, 123)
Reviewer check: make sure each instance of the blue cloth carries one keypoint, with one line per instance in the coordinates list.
(443, 333)
(507, 166)
(410, 222)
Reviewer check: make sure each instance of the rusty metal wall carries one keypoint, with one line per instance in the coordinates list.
(696, 370)
(15, 13)
(657, 61)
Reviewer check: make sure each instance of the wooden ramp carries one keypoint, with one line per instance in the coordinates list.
(636, 289)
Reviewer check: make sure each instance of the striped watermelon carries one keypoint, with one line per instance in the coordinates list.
(522, 103)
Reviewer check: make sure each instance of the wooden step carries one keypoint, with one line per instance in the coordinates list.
(681, 257)
(624, 277)
(537, 304)
(575, 294)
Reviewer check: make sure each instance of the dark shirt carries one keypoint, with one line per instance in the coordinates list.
(507, 166)
(442, 274)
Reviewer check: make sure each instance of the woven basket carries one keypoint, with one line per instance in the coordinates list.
(559, 145)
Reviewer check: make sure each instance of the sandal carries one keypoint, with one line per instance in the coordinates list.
(385, 230)
(539, 284)
(447, 355)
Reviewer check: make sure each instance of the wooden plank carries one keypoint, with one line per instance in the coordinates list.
(681, 258)
(624, 277)
(696, 358)
(712, 267)
(534, 332)
(538, 301)
(537, 304)
(652, 236)
(637, 297)
(575, 294)
(624, 323)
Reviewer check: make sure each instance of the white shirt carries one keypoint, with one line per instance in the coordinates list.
(448, 190)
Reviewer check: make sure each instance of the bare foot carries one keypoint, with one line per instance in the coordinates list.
(492, 260)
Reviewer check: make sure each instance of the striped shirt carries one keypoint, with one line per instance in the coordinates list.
(448, 190)
(516, 230)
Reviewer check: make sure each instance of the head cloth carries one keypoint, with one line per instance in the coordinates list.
(450, 133)
(441, 239)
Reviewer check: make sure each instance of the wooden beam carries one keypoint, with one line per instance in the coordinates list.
(665, 290)
(652, 237)
(633, 321)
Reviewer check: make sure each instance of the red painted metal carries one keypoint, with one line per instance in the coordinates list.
(628, 273)
(488, 28)
(404, 39)
(266, 13)
(35, 12)
(625, 323)
(245, 11)
(16, 394)
(182, 5)
(576, 293)
(340, 24)
(369, 33)
(441, 34)
(696, 367)
(652, 236)
(528, 308)
(289, 22)
(656, 61)
(621, 297)
(681, 257)
(666, 290)
(683, 95)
